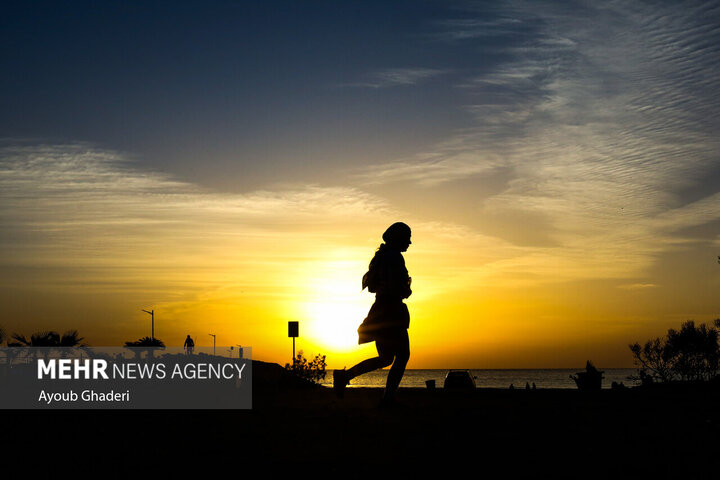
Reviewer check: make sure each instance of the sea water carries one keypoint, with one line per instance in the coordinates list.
(548, 378)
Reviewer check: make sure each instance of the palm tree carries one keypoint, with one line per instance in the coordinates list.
(145, 343)
(71, 338)
(37, 339)
(50, 339)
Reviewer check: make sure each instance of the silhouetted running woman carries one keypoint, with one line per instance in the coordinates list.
(388, 319)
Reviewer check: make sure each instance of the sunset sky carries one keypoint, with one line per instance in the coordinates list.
(232, 165)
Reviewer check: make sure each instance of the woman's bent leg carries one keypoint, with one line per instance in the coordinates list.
(368, 366)
(342, 377)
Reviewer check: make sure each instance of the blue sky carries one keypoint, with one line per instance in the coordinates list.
(550, 143)
(233, 84)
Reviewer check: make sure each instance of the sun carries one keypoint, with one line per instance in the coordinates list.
(334, 323)
(335, 305)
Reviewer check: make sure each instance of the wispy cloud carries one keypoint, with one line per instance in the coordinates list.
(605, 114)
(461, 29)
(76, 206)
(638, 286)
(397, 77)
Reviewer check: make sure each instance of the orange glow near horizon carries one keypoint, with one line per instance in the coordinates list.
(242, 266)
(493, 324)
(561, 183)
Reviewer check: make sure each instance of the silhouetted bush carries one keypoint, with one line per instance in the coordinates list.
(313, 370)
(689, 354)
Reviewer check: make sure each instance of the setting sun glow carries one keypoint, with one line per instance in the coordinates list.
(558, 167)
(336, 306)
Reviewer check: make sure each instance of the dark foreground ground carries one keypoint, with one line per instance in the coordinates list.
(308, 433)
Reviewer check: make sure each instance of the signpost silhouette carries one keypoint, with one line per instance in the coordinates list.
(293, 332)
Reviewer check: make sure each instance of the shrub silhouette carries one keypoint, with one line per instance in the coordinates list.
(689, 354)
(313, 370)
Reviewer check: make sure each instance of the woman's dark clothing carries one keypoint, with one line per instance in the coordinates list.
(388, 318)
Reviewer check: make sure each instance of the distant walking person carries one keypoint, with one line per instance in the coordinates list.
(189, 345)
(388, 319)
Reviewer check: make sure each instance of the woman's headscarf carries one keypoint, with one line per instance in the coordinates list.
(396, 233)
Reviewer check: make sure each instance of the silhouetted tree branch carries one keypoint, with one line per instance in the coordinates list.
(653, 359)
(689, 354)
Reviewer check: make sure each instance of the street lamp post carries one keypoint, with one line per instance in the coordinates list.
(213, 335)
(152, 316)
